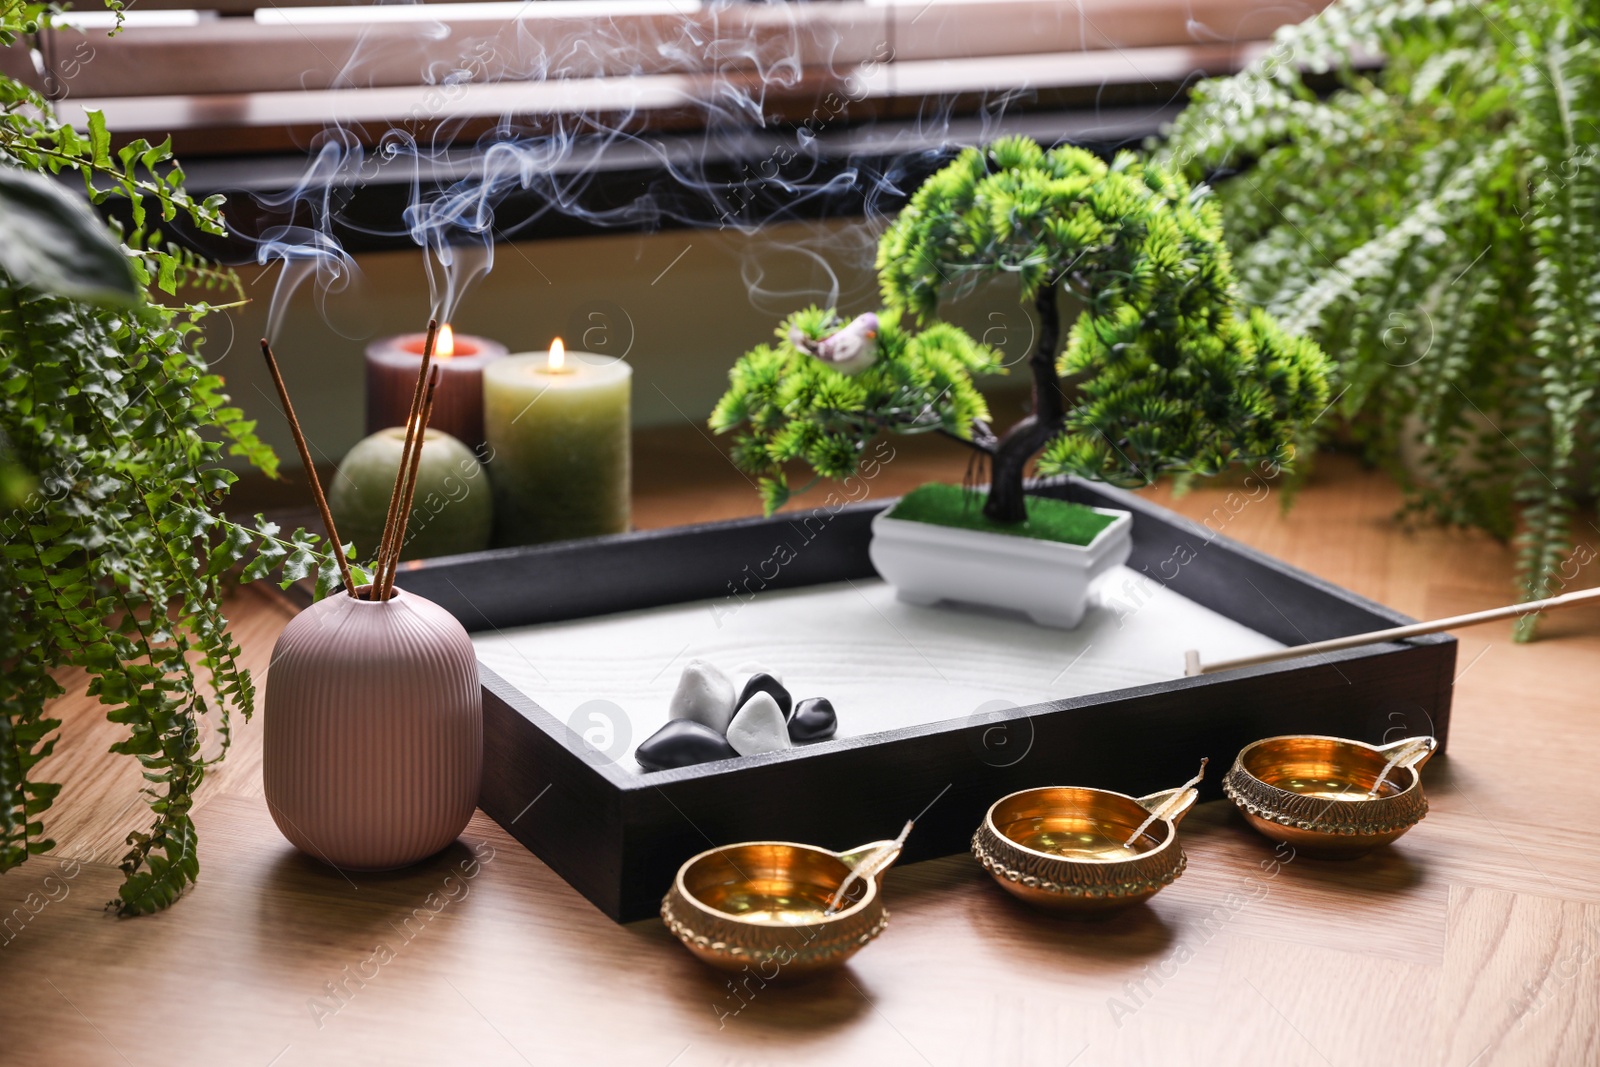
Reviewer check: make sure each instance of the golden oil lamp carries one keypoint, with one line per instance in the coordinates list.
(1328, 796)
(781, 909)
(1084, 852)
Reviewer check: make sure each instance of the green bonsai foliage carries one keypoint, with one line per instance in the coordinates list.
(112, 439)
(1434, 225)
(792, 406)
(1167, 374)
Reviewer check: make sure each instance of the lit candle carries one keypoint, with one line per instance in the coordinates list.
(457, 404)
(557, 424)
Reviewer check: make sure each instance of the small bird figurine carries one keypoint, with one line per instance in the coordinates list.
(849, 350)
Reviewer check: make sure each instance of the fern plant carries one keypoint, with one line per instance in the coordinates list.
(113, 436)
(1434, 226)
(1167, 372)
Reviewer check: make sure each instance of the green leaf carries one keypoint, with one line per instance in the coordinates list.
(774, 493)
(55, 244)
(298, 565)
(167, 279)
(99, 138)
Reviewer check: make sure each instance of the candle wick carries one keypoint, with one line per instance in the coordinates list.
(867, 863)
(1162, 808)
(1403, 753)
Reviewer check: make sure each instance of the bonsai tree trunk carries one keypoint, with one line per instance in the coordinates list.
(1007, 501)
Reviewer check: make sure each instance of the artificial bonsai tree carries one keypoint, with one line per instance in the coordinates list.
(113, 436)
(1162, 372)
(1433, 223)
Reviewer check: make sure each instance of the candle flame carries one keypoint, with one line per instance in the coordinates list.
(445, 346)
(558, 355)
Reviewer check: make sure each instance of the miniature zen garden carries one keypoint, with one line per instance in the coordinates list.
(1170, 374)
(1183, 333)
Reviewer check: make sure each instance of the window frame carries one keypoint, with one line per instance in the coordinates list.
(261, 83)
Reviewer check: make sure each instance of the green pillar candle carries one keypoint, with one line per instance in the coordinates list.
(559, 445)
(452, 512)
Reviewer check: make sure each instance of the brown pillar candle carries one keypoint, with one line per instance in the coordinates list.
(458, 404)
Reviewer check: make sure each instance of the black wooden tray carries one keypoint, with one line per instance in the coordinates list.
(618, 836)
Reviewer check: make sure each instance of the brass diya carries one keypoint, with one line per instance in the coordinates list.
(1084, 851)
(780, 908)
(1328, 796)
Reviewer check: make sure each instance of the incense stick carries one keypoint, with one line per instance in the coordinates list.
(404, 517)
(412, 414)
(311, 470)
(1192, 665)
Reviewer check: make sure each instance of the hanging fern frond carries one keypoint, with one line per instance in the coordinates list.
(1433, 226)
(113, 436)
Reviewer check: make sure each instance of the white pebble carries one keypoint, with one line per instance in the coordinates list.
(759, 727)
(705, 695)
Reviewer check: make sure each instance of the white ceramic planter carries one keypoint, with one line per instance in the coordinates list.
(1045, 580)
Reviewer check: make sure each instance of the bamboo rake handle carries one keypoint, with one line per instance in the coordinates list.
(1192, 665)
(311, 470)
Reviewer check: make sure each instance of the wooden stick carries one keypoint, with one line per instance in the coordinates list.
(1192, 665)
(408, 492)
(311, 469)
(411, 487)
(405, 456)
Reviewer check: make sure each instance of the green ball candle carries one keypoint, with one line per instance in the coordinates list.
(452, 511)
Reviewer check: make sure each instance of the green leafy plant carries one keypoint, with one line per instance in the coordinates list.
(1433, 224)
(113, 436)
(1164, 370)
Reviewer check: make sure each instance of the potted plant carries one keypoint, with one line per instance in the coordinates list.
(1432, 223)
(113, 434)
(1162, 372)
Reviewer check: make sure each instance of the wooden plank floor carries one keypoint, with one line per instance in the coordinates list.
(1474, 941)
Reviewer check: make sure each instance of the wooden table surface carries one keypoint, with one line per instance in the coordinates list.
(1473, 941)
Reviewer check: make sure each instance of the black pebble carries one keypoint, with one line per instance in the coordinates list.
(766, 683)
(682, 743)
(812, 720)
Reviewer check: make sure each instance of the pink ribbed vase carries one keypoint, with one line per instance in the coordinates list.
(374, 731)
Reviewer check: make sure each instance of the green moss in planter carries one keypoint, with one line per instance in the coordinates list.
(1048, 520)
